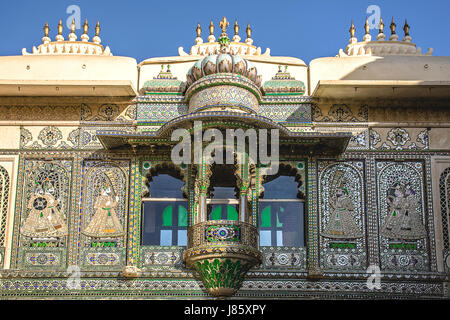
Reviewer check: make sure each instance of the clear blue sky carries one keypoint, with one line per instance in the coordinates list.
(306, 29)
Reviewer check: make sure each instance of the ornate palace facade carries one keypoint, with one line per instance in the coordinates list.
(92, 205)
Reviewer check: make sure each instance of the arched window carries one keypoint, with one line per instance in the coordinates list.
(281, 211)
(165, 215)
(223, 203)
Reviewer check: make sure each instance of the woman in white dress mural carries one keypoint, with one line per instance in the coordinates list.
(105, 223)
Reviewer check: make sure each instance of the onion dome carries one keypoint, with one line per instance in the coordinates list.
(223, 63)
(223, 81)
(283, 83)
(163, 82)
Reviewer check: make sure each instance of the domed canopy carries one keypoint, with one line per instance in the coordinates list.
(223, 63)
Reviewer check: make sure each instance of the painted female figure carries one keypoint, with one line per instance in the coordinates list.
(44, 219)
(402, 221)
(341, 224)
(411, 227)
(105, 223)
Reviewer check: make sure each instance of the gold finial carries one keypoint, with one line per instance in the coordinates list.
(72, 26)
(60, 27)
(211, 28)
(85, 27)
(393, 25)
(406, 28)
(224, 24)
(352, 30)
(236, 28)
(46, 30)
(381, 26)
(97, 29)
(249, 31)
(199, 30)
(367, 27)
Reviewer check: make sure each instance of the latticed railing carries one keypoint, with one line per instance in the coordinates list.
(222, 232)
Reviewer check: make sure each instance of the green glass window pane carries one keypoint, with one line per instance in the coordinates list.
(279, 224)
(232, 213)
(265, 217)
(216, 214)
(182, 216)
(167, 216)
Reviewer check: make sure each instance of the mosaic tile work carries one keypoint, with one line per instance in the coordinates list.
(104, 212)
(283, 258)
(42, 218)
(342, 215)
(444, 197)
(399, 139)
(44, 258)
(4, 200)
(224, 95)
(286, 112)
(161, 257)
(402, 218)
(159, 112)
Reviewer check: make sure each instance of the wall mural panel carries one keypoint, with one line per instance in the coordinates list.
(342, 216)
(444, 197)
(45, 207)
(401, 216)
(104, 213)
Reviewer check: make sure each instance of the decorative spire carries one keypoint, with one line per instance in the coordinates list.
(59, 36)
(72, 35)
(45, 38)
(394, 36)
(46, 29)
(236, 37)
(97, 29)
(352, 30)
(406, 28)
(70, 45)
(249, 39)
(352, 33)
(223, 25)
(199, 39)
(84, 37)
(198, 30)
(393, 25)
(407, 37)
(96, 38)
(381, 36)
(367, 37)
(211, 37)
(224, 41)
